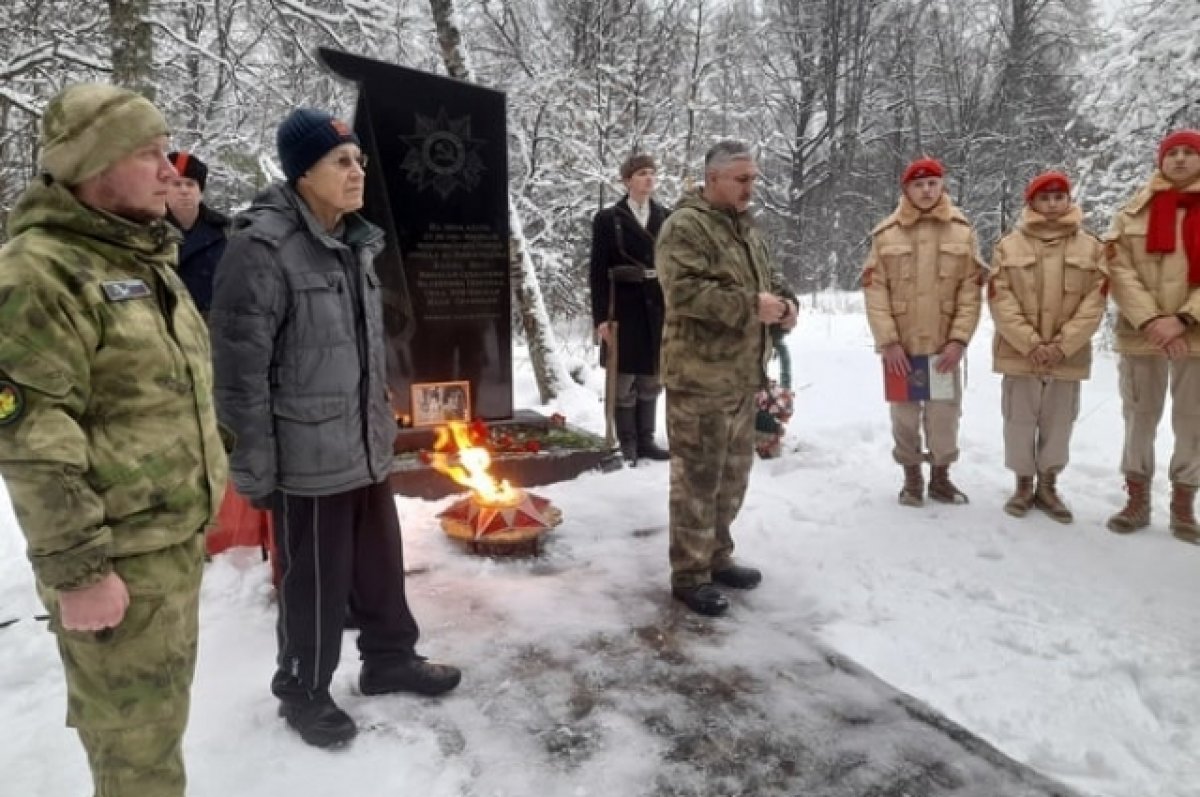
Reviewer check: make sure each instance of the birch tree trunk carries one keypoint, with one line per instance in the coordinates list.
(548, 370)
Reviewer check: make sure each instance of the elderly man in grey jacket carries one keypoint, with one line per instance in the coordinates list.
(297, 328)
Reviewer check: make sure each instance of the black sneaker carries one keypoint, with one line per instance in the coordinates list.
(703, 599)
(415, 674)
(318, 720)
(738, 577)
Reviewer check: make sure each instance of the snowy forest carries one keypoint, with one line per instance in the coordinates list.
(836, 95)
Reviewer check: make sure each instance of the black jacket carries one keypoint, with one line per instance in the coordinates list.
(200, 252)
(618, 239)
(298, 352)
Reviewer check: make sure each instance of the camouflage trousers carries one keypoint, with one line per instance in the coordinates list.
(712, 449)
(128, 688)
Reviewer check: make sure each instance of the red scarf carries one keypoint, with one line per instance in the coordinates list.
(1160, 238)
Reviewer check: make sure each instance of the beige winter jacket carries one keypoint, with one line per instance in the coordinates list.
(1047, 286)
(922, 279)
(1146, 286)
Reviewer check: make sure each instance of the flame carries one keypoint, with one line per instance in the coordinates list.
(472, 468)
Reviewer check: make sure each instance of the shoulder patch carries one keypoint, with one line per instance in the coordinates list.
(868, 277)
(12, 402)
(1110, 250)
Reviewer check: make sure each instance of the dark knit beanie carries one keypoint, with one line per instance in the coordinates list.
(635, 163)
(188, 165)
(305, 136)
(1179, 138)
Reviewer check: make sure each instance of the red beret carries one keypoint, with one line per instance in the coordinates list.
(1180, 138)
(922, 167)
(1047, 181)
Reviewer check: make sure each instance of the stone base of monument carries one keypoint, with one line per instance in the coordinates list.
(562, 452)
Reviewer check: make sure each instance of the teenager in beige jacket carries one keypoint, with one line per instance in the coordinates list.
(1153, 252)
(1047, 295)
(921, 281)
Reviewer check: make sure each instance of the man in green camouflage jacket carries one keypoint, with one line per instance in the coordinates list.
(108, 438)
(722, 294)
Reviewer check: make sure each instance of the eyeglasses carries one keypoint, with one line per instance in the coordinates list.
(346, 160)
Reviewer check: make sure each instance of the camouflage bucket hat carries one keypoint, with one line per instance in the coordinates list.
(90, 126)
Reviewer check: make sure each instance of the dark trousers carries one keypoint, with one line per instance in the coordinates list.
(338, 553)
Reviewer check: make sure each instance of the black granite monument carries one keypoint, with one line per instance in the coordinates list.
(437, 183)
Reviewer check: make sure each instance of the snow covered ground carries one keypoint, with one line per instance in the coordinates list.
(1070, 649)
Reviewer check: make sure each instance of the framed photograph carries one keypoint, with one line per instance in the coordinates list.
(435, 403)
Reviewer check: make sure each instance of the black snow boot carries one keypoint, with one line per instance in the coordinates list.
(627, 434)
(415, 674)
(318, 720)
(646, 447)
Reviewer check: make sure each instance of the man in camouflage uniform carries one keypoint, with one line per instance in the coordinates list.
(921, 281)
(108, 439)
(721, 294)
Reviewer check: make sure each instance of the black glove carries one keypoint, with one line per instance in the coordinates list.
(264, 502)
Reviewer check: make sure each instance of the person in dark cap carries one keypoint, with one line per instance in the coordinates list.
(298, 348)
(109, 445)
(204, 229)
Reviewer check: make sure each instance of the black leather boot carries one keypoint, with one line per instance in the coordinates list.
(738, 577)
(415, 674)
(703, 599)
(646, 447)
(627, 434)
(312, 713)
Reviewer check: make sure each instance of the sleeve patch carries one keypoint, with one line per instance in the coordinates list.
(12, 402)
(868, 277)
(1110, 250)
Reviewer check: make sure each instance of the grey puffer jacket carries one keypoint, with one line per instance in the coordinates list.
(298, 352)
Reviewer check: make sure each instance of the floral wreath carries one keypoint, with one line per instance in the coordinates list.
(775, 403)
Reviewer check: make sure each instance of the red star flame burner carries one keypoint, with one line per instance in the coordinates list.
(495, 519)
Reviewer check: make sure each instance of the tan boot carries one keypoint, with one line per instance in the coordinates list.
(942, 489)
(913, 491)
(1022, 497)
(1136, 512)
(1183, 515)
(1047, 499)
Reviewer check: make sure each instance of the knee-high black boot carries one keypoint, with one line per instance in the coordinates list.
(646, 447)
(627, 435)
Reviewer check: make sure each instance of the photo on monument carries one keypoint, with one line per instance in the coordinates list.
(438, 402)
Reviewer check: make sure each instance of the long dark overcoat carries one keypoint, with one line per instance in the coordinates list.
(618, 239)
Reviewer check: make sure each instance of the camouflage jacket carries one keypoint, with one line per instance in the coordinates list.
(108, 439)
(712, 265)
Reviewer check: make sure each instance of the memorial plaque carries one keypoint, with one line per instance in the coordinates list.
(437, 183)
